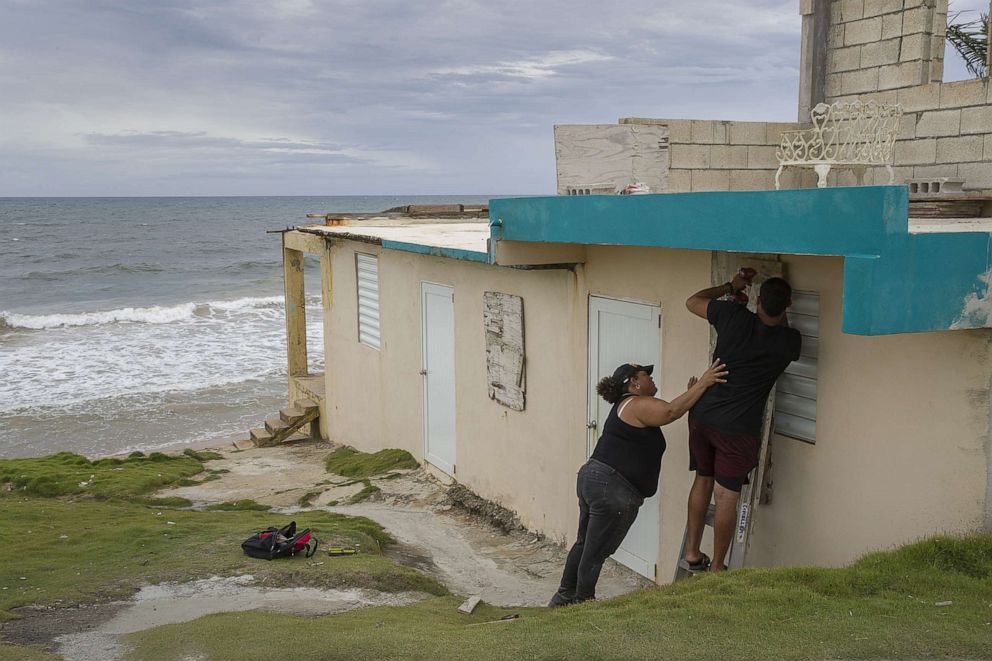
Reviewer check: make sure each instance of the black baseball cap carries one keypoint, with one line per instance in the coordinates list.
(625, 372)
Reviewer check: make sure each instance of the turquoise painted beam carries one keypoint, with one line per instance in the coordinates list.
(894, 282)
(437, 251)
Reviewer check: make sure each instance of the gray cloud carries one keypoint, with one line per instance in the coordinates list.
(358, 97)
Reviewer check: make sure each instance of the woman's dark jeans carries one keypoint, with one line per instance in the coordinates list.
(608, 505)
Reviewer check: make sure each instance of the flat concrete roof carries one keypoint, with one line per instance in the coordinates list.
(457, 240)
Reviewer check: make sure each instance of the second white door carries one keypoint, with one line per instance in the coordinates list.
(439, 375)
(625, 332)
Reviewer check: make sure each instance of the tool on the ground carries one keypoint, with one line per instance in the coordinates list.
(341, 550)
(506, 618)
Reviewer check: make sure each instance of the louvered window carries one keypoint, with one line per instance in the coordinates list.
(795, 395)
(367, 267)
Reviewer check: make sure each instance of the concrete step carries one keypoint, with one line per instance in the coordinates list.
(291, 414)
(305, 404)
(244, 444)
(261, 437)
(275, 425)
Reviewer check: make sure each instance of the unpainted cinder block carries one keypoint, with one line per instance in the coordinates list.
(916, 20)
(709, 180)
(702, 132)
(964, 93)
(679, 181)
(891, 25)
(692, 157)
(915, 152)
(679, 130)
(747, 133)
(860, 81)
(752, 179)
(962, 149)
(921, 97)
(976, 175)
(934, 171)
(863, 32)
(720, 133)
(878, 53)
(878, 7)
(851, 10)
(844, 59)
(835, 36)
(888, 96)
(728, 156)
(835, 85)
(761, 157)
(912, 47)
(904, 74)
(939, 123)
(988, 148)
(907, 126)
(976, 120)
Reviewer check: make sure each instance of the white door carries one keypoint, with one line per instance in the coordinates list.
(439, 375)
(625, 332)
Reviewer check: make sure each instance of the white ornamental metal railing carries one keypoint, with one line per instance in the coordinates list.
(852, 136)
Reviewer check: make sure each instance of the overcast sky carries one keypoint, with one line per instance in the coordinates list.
(337, 97)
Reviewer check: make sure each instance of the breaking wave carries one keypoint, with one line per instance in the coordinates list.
(149, 315)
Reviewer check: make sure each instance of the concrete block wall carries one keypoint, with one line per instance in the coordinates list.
(714, 155)
(880, 45)
(945, 131)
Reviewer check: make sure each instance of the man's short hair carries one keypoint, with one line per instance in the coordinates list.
(776, 296)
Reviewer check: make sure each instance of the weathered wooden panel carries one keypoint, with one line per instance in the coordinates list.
(503, 317)
(604, 157)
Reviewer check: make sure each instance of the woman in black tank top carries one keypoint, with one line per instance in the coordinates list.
(623, 470)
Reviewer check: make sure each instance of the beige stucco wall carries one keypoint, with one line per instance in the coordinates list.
(903, 421)
(902, 439)
(525, 460)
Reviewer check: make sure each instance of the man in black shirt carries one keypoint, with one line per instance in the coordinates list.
(725, 424)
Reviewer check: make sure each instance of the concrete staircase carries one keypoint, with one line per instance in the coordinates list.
(291, 425)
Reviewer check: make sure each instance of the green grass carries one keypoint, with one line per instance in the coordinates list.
(74, 552)
(71, 547)
(352, 463)
(202, 456)
(238, 506)
(365, 493)
(881, 607)
(67, 474)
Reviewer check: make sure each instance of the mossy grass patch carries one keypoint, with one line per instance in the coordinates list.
(367, 491)
(352, 463)
(68, 474)
(238, 506)
(883, 606)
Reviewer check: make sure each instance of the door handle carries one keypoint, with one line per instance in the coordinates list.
(592, 424)
(423, 372)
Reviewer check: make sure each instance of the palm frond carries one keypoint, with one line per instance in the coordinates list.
(971, 40)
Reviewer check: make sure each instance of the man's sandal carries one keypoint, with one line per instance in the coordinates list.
(699, 565)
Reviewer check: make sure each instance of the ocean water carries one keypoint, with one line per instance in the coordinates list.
(149, 323)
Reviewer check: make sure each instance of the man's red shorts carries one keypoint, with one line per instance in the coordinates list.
(728, 458)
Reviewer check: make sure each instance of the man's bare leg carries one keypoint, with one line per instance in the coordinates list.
(699, 502)
(723, 525)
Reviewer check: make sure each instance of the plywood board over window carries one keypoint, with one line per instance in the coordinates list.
(503, 317)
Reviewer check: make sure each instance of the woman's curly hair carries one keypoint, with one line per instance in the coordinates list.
(611, 389)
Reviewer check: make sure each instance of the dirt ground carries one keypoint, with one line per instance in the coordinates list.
(465, 553)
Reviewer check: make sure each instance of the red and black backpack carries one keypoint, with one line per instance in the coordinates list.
(280, 543)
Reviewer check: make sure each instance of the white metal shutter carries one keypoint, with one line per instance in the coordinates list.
(795, 395)
(367, 267)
